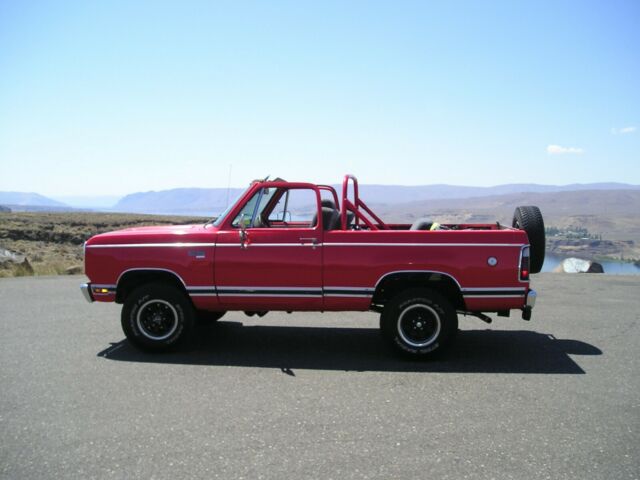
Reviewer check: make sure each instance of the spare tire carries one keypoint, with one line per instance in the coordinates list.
(530, 220)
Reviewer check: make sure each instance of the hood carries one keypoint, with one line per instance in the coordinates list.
(157, 234)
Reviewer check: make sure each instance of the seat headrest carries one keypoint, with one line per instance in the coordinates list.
(330, 218)
(328, 203)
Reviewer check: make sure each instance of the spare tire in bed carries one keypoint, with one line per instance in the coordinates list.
(530, 220)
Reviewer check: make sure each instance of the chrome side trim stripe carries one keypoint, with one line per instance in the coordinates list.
(269, 291)
(494, 296)
(502, 292)
(251, 245)
(349, 244)
(502, 289)
(310, 292)
(349, 295)
(271, 295)
(348, 292)
(344, 244)
(202, 291)
(152, 245)
(354, 289)
(313, 292)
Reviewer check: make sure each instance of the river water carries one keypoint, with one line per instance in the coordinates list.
(613, 268)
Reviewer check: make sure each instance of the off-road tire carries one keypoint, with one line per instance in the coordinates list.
(530, 220)
(419, 323)
(157, 317)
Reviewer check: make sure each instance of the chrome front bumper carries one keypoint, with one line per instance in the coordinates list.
(85, 288)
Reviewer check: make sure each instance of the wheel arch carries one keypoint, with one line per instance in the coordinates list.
(392, 283)
(134, 277)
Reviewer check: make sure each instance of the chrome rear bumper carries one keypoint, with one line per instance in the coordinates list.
(529, 304)
(531, 298)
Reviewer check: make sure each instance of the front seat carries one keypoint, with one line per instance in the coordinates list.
(330, 219)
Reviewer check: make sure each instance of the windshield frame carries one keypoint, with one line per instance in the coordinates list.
(220, 218)
(224, 222)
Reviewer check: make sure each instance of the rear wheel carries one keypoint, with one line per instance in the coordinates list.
(419, 323)
(157, 317)
(530, 220)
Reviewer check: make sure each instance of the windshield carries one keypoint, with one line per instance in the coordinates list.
(251, 213)
(220, 218)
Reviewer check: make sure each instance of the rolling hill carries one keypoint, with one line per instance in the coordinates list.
(179, 201)
(610, 213)
(212, 201)
(23, 199)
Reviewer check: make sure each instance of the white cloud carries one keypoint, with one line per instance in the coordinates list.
(623, 130)
(559, 150)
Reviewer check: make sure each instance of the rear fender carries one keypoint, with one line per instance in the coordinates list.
(389, 285)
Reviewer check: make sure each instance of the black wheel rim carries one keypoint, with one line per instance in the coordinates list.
(157, 319)
(419, 325)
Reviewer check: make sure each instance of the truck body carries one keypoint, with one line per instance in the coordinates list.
(297, 247)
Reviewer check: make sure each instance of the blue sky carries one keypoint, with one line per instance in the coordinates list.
(101, 98)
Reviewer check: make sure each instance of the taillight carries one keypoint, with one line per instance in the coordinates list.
(524, 264)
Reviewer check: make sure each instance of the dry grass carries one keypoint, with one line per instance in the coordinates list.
(52, 242)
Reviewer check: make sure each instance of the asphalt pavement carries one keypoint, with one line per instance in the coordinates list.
(318, 395)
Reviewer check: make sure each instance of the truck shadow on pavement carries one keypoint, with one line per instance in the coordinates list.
(363, 350)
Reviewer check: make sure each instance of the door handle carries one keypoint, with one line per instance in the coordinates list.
(243, 238)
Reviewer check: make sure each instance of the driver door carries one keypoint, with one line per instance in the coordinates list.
(279, 264)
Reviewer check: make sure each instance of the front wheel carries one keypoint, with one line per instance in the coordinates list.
(419, 323)
(157, 317)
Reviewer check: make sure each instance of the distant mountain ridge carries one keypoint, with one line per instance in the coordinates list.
(29, 199)
(192, 201)
(618, 203)
(89, 201)
(391, 194)
(611, 213)
(212, 201)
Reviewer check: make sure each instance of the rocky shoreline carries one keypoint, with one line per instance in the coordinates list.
(589, 249)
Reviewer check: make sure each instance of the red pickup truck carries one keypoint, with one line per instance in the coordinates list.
(298, 247)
